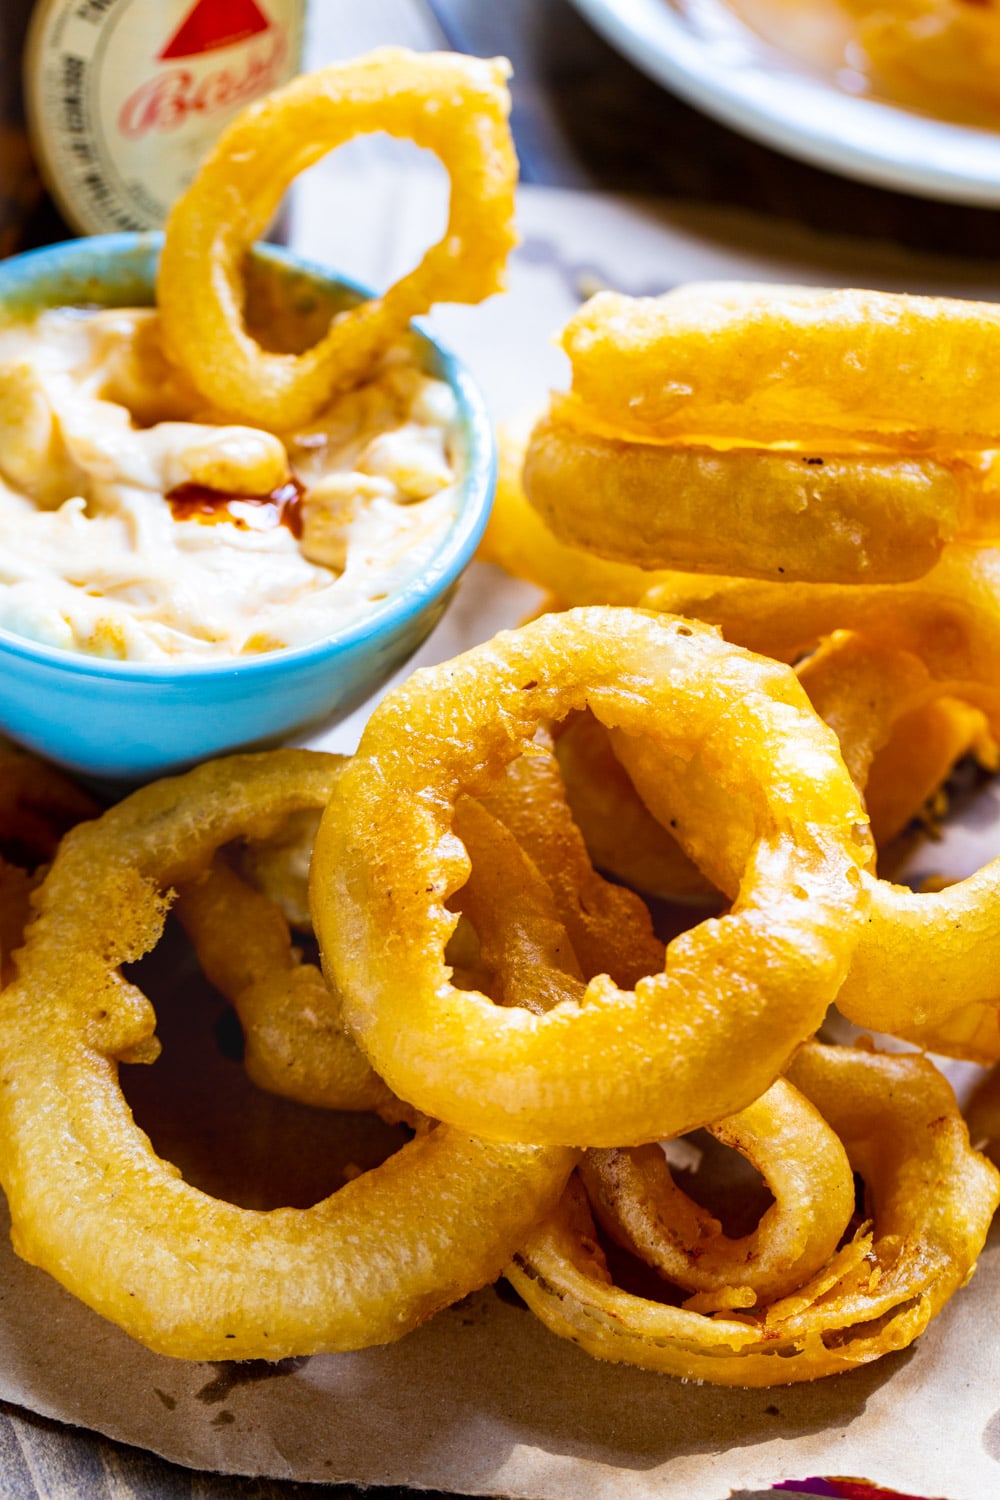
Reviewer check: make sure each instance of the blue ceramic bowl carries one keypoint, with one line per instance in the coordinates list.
(131, 721)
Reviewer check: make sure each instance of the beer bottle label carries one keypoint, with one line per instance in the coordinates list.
(125, 97)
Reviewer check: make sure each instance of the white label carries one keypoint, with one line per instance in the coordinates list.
(127, 96)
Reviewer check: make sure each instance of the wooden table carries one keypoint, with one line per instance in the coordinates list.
(583, 117)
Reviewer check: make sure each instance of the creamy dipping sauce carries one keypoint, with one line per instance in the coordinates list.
(138, 525)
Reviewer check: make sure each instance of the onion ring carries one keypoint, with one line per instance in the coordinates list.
(803, 1163)
(724, 362)
(926, 967)
(608, 926)
(517, 540)
(620, 832)
(455, 106)
(93, 1205)
(933, 1200)
(752, 513)
(386, 861)
(296, 1045)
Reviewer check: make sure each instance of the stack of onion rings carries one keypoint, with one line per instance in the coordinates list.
(926, 964)
(693, 439)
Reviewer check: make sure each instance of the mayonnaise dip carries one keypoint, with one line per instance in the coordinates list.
(136, 524)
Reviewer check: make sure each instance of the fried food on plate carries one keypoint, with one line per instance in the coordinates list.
(942, 56)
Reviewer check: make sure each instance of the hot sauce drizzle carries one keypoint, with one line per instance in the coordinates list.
(281, 507)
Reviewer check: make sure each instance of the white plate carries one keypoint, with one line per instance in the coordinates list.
(711, 60)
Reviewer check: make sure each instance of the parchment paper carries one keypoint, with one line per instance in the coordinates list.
(483, 1400)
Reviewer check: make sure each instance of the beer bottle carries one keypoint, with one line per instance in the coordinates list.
(125, 97)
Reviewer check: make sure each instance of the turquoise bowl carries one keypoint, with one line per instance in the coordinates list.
(132, 721)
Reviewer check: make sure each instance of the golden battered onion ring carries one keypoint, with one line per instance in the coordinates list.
(908, 775)
(753, 513)
(95, 1207)
(609, 927)
(933, 1199)
(455, 106)
(803, 1163)
(296, 1045)
(725, 362)
(387, 861)
(620, 832)
(950, 618)
(927, 966)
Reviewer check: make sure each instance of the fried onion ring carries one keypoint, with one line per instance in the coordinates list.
(455, 106)
(752, 513)
(803, 1163)
(932, 1199)
(296, 1045)
(927, 966)
(609, 927)
(94, 1206)
(741, 362)
(387, 860)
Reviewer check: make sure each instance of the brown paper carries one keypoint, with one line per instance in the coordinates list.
(484, 1400)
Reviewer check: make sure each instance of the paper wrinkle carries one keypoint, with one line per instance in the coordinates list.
(484, 1400)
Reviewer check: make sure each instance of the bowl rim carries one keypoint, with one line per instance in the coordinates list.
(457, 546)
